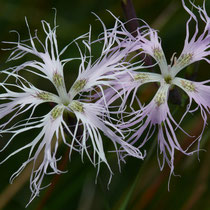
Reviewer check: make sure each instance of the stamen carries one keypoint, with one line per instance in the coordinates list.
(173, 59)
(58, 80)
(79, 85)
(77, 106)
(185, 59)
(158, 54)
(160, 98)
(45, 96)
(61, 89)
(188, 85)
(56, 112)
(142, 77)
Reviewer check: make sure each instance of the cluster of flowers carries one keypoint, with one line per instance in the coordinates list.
(115, 75)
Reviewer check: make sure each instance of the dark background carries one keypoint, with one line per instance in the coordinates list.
(140, 185)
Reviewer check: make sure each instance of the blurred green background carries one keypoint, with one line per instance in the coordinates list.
(141, 184)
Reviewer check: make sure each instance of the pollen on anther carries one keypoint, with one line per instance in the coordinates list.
(79, 85)
(158, 54)
(185, 59)
(189, 86)
(56, 112)
(77, 106)
(142, 77)
(160, 98)
(58, 80)
(44, 96)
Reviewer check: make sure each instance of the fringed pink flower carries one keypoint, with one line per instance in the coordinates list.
(156, 114)
(92, 117)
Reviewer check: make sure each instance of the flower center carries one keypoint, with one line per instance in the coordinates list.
(168, 79)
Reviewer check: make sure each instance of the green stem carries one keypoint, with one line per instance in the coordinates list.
(132, 188)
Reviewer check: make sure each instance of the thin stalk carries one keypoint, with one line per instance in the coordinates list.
(133, 186)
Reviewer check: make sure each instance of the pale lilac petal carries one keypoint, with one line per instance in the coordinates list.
(200, 93)
(157, 115)
(47, 63)
(45, 143)
(196, 46)
(127, 84)
(20, 102)
(93, 118)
